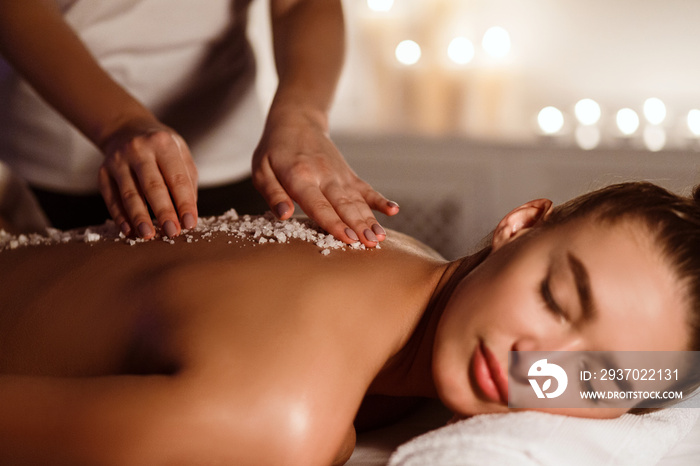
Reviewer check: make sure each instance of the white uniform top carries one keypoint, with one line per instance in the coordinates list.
(187, 60)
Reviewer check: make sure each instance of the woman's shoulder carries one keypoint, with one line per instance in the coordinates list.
(409, 244)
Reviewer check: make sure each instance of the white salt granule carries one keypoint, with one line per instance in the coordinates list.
(260, 230)
(91, 237)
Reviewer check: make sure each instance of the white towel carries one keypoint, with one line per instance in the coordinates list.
(536, 438)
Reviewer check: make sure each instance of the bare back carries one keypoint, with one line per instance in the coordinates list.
(260, 327)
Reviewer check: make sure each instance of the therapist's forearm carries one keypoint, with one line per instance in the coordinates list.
(43, 48)
(309, 45)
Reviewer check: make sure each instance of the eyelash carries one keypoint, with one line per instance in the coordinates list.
(548, 299)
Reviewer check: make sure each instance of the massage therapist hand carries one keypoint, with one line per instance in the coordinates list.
(148, 164)
(145, 161)
(297, 161)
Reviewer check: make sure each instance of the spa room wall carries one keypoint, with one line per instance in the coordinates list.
(462, 110)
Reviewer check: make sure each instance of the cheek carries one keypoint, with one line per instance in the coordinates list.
(502, 306)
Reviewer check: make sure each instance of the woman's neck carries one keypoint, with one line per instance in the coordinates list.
(409, 372)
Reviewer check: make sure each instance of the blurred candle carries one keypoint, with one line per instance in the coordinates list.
(654, 111)
(587, 136)
(460, 50)
(627, 121)
(408, 52)
(694, 121)
(587, 111)
(654, 138)
(496, 42)
(550, 120)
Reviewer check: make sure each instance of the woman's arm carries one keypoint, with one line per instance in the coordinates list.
(296, 158)
(43, 48)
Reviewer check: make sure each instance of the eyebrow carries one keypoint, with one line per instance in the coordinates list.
(583, 288)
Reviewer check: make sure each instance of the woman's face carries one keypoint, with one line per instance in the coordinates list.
(574, 287)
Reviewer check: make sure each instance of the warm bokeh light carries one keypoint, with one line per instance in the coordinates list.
(654, 111)
(496, 42)
(408, 52)
(380, 5)
(587, 137)
(654, 138)
(694, 121)
(460, 50)
(627, 121)
(587, 111)
(551, 120)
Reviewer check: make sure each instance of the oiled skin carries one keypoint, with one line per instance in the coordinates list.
(199, 352)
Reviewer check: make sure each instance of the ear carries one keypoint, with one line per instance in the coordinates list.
(520, 220)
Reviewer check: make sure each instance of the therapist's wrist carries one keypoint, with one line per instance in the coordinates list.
(128, 128)
(131, 118)
(296, 101)
(290, 113)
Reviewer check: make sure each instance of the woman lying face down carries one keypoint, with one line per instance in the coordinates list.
(226, 350)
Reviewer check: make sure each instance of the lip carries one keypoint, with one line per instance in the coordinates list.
(490, 378)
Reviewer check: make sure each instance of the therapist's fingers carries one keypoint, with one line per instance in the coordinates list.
(338, 208)
(271, 190)
(353, 203)
(110, 194)
(304, 189)
(155, 191)
(317, 206)
(133, 202)
(353, 210)
(177, 170)
(378, 202)
(334, 197)
(152, 169)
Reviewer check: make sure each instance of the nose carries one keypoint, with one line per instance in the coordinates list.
(518, 367)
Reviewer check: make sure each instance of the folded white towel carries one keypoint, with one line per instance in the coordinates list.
(536, 438)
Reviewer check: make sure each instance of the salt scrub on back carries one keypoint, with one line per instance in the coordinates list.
(260, 230)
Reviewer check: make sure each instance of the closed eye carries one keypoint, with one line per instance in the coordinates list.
(548, 299)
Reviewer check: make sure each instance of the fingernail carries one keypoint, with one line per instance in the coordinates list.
(170, 229)
(392, 204)
(282, 208)
(351, 234)
(370, 236)
(125, 228)
(145, 230)
(188, 221)
(378, 230)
